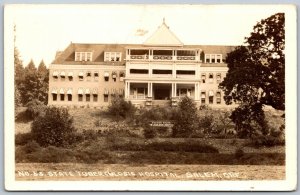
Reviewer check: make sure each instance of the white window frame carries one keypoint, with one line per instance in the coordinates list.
(83, 56)
(210, 57)
(112, 56)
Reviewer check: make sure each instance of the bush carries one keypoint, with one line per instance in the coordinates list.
(206, 124)
(35, 108)
(266, 141)
(239, 153)
(186, 119)
(23, 138)
(54, 128)
(149, 132)
(120, 108)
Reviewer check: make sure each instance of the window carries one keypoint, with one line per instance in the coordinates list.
(203, 97)
(70, 76)
(139, 71)
(213, 58)
(106, 76)
(218, 96)
(55, 75)
(122, 75)
(112, 56)
(62, 75)
(62, 97)
(156, 71)
(203, 77)
(88, 75)
(218, 77)
(185, 72)
(80, 76)
(211, 77)
(114, 76)
(88, 56)
(87, 97)
(105, 97)
(95, 97)
(96, 76)
(83, 56)
(80, 97)
(54, 96)
(69, 97)
(219, 58)
(210, 97)
(69, 94)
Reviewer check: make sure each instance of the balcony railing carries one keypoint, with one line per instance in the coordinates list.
(186, 57)
(138, 97)
(139, 57)
(162, 57)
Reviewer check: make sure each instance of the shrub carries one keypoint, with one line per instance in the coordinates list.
(23, 138)
(239, 153)
(266, 140)
(206, 123)
(186, 119)
(149, 132)
(35, 108)
(120, 108)
(54, 128)
(249, 120)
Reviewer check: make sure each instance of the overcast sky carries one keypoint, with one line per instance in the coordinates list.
(44, 29)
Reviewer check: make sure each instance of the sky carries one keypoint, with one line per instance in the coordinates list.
(41, 30)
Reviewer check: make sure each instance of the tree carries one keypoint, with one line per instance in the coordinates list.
(35, 84)
(43, 82)
(29, 87)
(54, 127)
(256, 74)
(186, 119)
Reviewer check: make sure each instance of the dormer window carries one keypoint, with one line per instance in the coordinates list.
(112, 56)
(213, 58)
(83, 56)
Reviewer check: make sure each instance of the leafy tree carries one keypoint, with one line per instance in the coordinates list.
(55, 128)
(256, 74)
(186, 119)
(121, 108)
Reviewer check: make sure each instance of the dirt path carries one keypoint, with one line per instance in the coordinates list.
(69, 171)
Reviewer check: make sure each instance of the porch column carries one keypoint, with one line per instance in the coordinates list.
(175, 89)
(149, 89)
(196, 91)
(127, 90)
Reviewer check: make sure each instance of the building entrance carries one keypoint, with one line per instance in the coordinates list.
(162, 91)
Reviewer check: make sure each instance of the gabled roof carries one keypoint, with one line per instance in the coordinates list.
(163, 36)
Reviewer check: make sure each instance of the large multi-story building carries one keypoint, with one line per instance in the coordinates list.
(158, 71)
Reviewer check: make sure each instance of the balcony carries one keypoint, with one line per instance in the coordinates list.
(139, 57)
(162, 57)
(188, 58)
